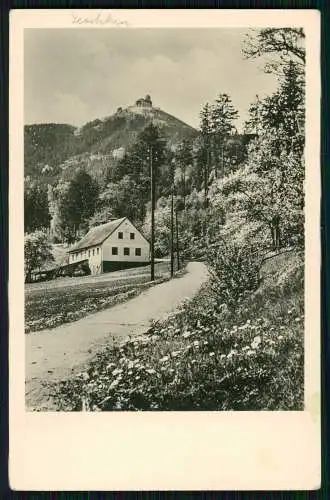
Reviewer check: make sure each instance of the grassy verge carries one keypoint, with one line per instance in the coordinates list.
(206, 357)
(51, 308)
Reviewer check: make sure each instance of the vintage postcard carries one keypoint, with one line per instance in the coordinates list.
(164, 250)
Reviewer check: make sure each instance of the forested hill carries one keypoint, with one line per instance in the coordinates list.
(47, 145)
(78, 177)
(52, 148)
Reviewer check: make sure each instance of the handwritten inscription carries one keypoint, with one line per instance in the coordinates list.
(101, 18)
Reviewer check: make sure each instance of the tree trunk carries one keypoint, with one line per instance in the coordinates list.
(275, 232)
(272, 232)
(278, 237)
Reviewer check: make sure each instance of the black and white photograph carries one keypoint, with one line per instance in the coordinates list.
(165, 221)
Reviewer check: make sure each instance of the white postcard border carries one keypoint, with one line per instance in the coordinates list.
(165, 450)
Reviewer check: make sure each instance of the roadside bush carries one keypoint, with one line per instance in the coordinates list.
(234, 270)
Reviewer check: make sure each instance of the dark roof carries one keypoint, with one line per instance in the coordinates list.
(97, 235)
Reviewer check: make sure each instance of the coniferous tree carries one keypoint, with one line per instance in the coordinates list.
(223, 116)
(183, 160)
(76, 204)
(205, 156)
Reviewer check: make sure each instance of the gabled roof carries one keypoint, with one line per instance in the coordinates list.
(97, 235)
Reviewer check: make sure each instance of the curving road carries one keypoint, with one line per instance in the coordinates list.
(56, 354)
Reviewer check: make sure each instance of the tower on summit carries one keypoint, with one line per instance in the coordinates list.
(144, 102)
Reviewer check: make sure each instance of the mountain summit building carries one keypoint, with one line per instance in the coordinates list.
(145, 102)
(118, 244)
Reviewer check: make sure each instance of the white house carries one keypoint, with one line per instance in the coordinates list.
(118, 244)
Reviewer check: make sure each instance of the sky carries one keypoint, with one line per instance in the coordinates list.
(76, 75)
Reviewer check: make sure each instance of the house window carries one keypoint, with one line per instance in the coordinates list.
(93, 251)
(97, 251)
(132, 236)
(126, 251)
(89, 253)
(114, 251)
(120, 235)
(138, 252)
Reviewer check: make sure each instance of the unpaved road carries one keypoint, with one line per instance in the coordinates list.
(58, 353)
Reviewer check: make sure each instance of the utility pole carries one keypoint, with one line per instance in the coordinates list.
(184, 185)
(216, 146)
(207, 172)
(152, 243)
(257, 116)
(206, 178)
(172, 232)
(205, 182)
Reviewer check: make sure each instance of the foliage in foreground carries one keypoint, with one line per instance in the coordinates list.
(206, 357)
